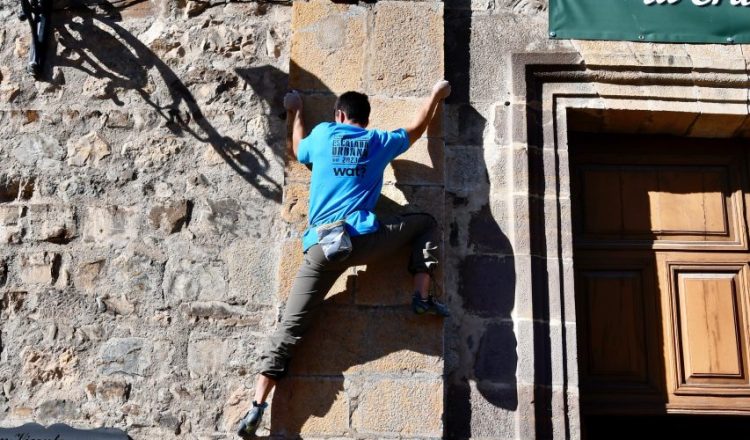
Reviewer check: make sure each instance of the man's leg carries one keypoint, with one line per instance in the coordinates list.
(313, 280)
(417, 230)
(263, 386)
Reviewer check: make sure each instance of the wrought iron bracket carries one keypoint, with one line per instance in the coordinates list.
(38, 14)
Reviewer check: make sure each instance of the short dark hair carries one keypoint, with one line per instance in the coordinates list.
(356, 107)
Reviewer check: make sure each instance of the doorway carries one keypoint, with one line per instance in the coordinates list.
(662, 276)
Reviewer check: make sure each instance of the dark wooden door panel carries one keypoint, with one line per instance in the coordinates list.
(617, 309)
(661, 274)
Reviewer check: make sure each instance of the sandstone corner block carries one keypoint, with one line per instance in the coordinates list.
(331, 60)
(314, 406)
(414, 408)
(421, 164)
(407, 48)
(395, 113)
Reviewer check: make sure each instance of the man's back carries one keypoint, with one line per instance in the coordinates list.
(347, 175)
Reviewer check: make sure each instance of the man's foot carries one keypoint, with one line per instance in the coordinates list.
(249, 424)
(429, 306)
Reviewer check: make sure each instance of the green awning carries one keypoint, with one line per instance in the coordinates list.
(667, 21)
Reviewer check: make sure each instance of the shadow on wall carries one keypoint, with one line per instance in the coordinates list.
(93, 42)
(483, 335)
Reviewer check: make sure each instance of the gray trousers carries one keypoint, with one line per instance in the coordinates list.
(316, 276)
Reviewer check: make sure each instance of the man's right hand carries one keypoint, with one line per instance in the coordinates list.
(441, 89)
(292, 101)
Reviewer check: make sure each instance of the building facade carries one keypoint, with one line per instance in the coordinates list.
(590, 196)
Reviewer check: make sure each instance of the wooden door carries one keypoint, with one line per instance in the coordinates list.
(662, 270)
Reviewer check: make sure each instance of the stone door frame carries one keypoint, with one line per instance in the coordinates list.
(545, 88)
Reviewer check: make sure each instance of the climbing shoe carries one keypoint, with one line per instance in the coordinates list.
(429, 306)
(249, 424)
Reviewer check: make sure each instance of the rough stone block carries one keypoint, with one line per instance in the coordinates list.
(44, 366)
(716, 56)
(415, 407)
(493, 411)
(34, 147)
(309, 13)
(487, 285)
(10, 214)
(52, 223)
(334, 330)
(87, 274)
(214, 219)
(131, 356)
(88, 150)
(465, 124)
(110, 390)
(186, 279)
(251, 268)
(402, 342)
(206, 355)
(422, 163)
(367, 340)
(332, 60)
(486, 234)
(133, 277)
(374, 287)
(465, 169)
(214, 310)
(54, 410)
(295, 205)
(169, 216)
(496, 356)
(147, 9)
(310, 406)
(111, 224)
(289, 262)
(9, 92)
(406, 48)
(11, 230)
(395, 113)
(3, 272)
(16, 187)
(39, 268)
(295, 171)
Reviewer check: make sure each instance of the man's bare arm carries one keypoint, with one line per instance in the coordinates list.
(440, 91)
(293, 105)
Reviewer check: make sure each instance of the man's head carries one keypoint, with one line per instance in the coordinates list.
(352, 108)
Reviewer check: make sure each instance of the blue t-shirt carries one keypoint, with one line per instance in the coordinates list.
(347, 174)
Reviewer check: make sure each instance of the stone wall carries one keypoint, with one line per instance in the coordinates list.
(149, 218)
(140, 191)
